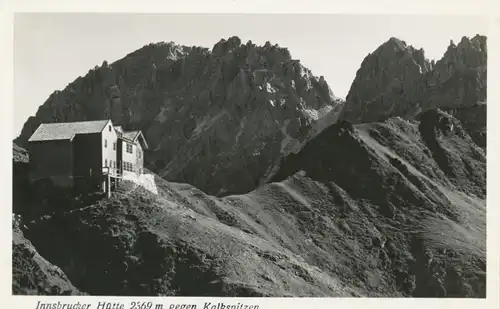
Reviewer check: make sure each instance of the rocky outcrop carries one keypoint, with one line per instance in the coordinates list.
(397, 80)
(211, 117)
(473, 119)
(458, 79)
(20, 182)
(31, 273)
(384, 80)
(19, 155)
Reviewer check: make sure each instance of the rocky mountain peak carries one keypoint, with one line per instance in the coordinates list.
(468, 54)
(398, 80)
(395, 44)
(383, 78)
(224, 46)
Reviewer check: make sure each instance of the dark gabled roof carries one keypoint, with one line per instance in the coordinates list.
(66, 130)
(133, 136)
(130, 135)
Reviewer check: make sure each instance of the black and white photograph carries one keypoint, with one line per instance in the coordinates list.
(249, 155)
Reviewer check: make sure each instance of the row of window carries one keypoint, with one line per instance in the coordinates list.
(127, 166)
(112, 163)
(106, 144)
(129, 146)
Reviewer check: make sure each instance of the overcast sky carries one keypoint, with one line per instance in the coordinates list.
(51, 50)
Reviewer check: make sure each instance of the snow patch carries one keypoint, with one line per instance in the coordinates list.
(311, 113)
(305, 75)
(308, 85)
(272, 103)
(147, 181)
(270, 88)
(322, 112)
(317, 114)
(419, 68)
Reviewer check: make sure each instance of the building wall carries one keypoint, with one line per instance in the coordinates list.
(119, 153)
(135, 158)
(52, 160)
(139, 158)
(109, 148)
(87, 159)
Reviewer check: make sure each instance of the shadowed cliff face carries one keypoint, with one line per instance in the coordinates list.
(211, 117)
(395, 208)
(397, 80)
(473, 120)
(20, 182)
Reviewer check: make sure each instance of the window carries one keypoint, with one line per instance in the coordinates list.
(127, 166)
(106, 162)
(114, 146)
(105, 143)
(129, 148)
(109, 128)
